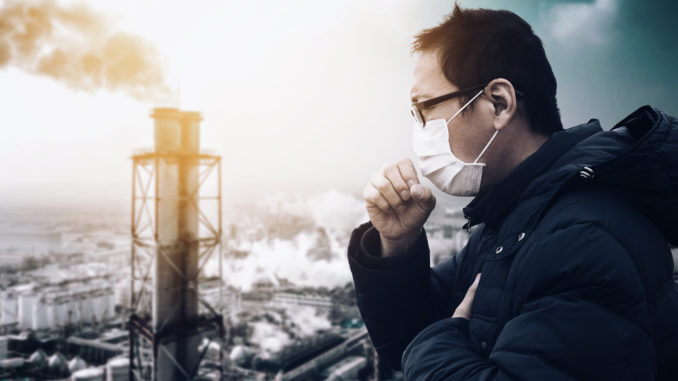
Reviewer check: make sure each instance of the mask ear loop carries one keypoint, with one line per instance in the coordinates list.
(464, 106)
(486, 146)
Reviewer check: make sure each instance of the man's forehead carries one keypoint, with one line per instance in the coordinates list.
(428, 78)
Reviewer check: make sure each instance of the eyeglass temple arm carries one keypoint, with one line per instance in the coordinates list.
(435, 101)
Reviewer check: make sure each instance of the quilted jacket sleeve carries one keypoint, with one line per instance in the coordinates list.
(581, 316)
(399, 296)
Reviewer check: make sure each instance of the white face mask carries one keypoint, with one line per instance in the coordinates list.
(437, 162)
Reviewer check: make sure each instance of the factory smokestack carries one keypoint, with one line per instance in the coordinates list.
(172, 240)
(79, 48)
(175, 302)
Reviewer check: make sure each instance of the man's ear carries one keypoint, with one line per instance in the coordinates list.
(503, 97)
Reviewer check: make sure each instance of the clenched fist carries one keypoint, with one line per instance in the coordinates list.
(398, 205)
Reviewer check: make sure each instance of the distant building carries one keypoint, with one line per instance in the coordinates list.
(54, 307)
(289, 299)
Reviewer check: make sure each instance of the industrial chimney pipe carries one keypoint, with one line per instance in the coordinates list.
(175, 300)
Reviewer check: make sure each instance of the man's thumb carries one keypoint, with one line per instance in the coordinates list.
(422, 194)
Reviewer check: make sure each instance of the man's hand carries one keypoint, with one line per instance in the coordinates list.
(398, 205)
(464, 309)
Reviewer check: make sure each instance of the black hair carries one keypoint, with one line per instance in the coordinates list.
(476, 46)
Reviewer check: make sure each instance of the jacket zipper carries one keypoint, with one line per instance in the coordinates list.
(468, 223)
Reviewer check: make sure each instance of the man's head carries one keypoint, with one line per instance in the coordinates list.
(497, 49)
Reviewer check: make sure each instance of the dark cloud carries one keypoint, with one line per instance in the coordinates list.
(620, 55)
(634, 65)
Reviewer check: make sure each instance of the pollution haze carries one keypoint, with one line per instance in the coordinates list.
(298, 97)
(79, 48)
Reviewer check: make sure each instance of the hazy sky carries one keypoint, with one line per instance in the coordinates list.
(300, 95)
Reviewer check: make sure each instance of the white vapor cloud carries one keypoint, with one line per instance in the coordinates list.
(581, 24)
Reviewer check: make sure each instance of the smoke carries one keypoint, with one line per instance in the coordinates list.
(307, 320)
(272, 337)
(80, 48)
(302, 240)
(286, 259)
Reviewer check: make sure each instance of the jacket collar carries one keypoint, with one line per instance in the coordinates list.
(493, 206)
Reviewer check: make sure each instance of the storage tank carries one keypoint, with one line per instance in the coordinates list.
(123, 294)
(39, 314)
(57, 365)
(85, 307)
(103, 306)
(51, 307)
(107, 305)
(88, 374)
(72, 313)
(8, 309)
(94, 300)
(27, 309)
(62, 307)
(38, 359)
(76, 364)
(110, 306)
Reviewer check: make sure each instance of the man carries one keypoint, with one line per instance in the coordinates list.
(567, 274)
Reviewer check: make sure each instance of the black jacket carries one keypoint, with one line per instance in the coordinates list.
(576, 271)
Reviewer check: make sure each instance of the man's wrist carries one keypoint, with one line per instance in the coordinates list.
(394, 247)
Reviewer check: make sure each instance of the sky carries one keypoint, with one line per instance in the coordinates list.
(300, 96)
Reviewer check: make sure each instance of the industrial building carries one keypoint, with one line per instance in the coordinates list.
(40, 307)
(290, 299)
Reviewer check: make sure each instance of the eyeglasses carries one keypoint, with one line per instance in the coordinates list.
(417, 107)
